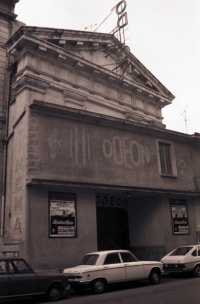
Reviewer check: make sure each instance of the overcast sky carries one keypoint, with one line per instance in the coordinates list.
(163, 34)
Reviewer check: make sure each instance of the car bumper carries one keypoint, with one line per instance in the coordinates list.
(176, 268)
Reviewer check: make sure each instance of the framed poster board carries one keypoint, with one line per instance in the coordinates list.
(62, 215)
(179, 215)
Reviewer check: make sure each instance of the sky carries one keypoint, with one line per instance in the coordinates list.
(164, 35)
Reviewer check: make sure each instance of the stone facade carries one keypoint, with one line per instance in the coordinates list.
(89, 163)
(8, 26)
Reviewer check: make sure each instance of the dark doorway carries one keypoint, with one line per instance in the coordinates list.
(112, 228)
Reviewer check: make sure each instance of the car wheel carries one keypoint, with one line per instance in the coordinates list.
(98, 286)
(54, 293)
(196, 271)
(154, 277)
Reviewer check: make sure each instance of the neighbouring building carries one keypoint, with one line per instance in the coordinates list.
(86, 161)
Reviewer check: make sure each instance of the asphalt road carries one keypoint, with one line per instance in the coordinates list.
(182, 289)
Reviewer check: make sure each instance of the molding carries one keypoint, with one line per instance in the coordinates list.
(57, 183)
(31, 83)
(74, 97)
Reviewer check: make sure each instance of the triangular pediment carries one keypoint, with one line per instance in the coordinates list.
(105, 51)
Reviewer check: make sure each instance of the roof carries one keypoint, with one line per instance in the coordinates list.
(115, 58)
(103, 252)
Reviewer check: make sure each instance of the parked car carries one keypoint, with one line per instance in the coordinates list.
(97, 269)
(183, 259)
(17, 279)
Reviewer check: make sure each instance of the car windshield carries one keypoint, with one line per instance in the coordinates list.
(181, 251)
(89, 259)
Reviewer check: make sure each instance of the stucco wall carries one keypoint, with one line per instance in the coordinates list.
(57, 253)
(151, 226)
(79, 151)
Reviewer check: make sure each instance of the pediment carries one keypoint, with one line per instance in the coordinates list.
(103, 51)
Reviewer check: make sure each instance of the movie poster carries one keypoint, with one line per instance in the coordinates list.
(180, 223)
(62, 214)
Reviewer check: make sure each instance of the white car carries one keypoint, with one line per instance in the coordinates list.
(183, 259)
(97, 269)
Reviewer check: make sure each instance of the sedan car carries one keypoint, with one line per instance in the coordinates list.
(97, 269)
(17, 279)
(183, 259)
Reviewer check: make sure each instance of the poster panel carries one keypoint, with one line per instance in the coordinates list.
(179, 214)
(62, 215)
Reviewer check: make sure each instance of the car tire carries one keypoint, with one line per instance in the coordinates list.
(154, 277)
(99, 286)
(54, 293)
(196, 271)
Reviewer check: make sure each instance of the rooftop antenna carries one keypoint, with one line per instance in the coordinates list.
(91, 26)
(185, 118)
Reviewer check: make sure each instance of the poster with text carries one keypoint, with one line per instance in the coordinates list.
(62, 214)
(180, 223)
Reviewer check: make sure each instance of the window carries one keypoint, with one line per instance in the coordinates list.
(127, 257)
(165, 158)
(19, 266)
(196, 252)
(181, 251)
(2, 267)
(112, 258)
(89, 259)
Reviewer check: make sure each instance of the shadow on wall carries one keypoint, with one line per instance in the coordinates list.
(149, 253)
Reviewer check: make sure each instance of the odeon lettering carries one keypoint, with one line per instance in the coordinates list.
(125, 152)
(122, 15)
(111, 201)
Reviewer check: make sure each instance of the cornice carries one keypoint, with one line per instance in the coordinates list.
(34, 182)
(151, 130)
(7, 15)
(27, 43)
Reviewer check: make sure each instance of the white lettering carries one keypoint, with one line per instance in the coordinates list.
(125, 152)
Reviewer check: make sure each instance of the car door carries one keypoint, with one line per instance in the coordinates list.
(114, 269)
(22, 279)
(134, 269)
(4, 279)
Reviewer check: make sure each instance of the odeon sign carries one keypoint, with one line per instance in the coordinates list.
(122, 15)
(125, 152)
(103, 200)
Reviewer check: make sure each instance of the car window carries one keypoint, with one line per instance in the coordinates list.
(19, 266)
(196, 252)
(89, 259)
(128, 257)
(2, 267)
(112, 258)
(181, 251)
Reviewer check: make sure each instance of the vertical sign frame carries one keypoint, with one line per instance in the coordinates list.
(62, 215)
(179, 217)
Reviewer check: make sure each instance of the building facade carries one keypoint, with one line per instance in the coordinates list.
(88, 163)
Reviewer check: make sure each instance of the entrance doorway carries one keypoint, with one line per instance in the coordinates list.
(112, 228)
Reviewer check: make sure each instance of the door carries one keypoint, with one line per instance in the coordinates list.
(114, 270)
(4, 279)
(112, 228)
(134, 269)
(22, 279)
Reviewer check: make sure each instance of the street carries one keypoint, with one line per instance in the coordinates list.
(182, 289)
